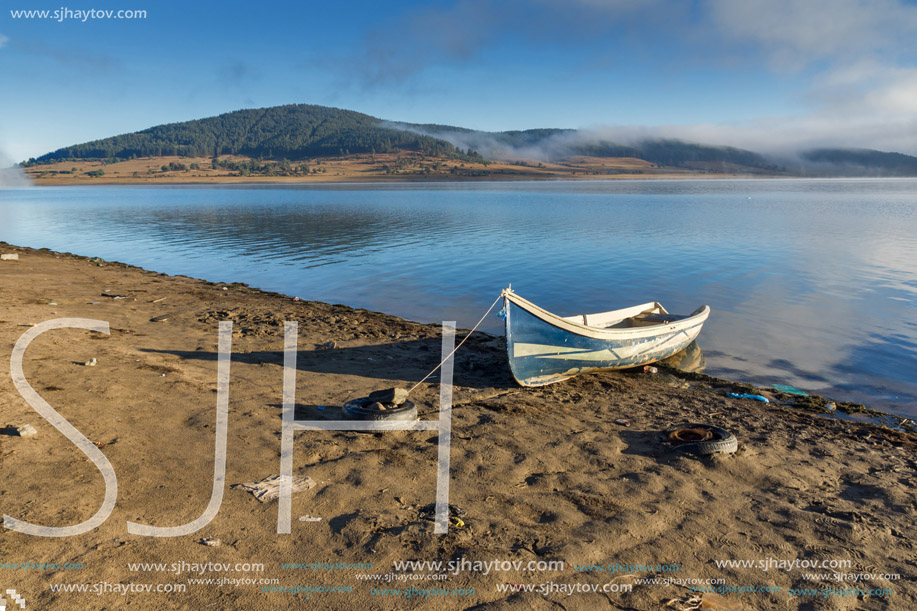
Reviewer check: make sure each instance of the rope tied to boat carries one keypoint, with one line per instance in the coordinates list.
(454, 350)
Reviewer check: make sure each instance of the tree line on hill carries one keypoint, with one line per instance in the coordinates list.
(292, 134)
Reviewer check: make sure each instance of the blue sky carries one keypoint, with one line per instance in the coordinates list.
(769, 75)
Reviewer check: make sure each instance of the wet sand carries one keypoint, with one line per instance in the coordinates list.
(538, 475)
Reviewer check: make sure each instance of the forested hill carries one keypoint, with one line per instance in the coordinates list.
(302, 132)
(560, 144)
(281, 132)
(298, 132)
(860, 162)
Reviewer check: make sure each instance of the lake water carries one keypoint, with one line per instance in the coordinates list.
(811, 282)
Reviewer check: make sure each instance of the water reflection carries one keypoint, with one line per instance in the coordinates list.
(811, 283)
(689, 360)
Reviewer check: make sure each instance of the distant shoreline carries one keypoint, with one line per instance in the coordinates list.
(370, 180)
(390, 167)
(254, 181)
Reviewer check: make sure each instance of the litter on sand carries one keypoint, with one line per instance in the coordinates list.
(26, 430)
(309, 519)
(268, 489)
(744, 395)
(790, 390)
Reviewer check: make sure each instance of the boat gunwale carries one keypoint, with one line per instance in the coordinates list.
(699, 316)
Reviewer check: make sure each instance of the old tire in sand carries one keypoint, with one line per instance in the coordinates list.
(722, 442)
(358, 410)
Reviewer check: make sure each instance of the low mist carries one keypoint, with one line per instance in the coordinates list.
(11, 175)
(778, 141)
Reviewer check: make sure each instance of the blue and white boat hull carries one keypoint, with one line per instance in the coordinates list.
(544, 348)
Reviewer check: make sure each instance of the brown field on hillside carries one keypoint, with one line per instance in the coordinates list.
(385, 166)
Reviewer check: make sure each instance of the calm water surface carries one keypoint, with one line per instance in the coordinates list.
(812, 282)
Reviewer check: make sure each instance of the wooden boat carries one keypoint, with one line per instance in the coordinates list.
(544, 348)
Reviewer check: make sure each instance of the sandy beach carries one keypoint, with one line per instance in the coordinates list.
(556, 505)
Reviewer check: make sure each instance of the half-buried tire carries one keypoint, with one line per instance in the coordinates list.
(359, 409)
(702, 440)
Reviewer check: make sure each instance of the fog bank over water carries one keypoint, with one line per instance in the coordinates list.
(11, 175)
(777, 139)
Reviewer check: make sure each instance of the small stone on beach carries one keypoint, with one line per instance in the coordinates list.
(26, 430)
(394, 396)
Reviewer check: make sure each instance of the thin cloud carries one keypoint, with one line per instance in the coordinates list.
(788, 35)
(4, 40)
(795, 34)
(404, 46)
(75, 58)
(856, 56)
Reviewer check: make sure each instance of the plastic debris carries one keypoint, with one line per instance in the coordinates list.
(211, 542)
(10, 257)
(428, 512)
(832, 406)
(649, 369)
(744, 395)
(790, 390)
(91, 362)
(309, 519)
(622, 422)
(26, 430)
